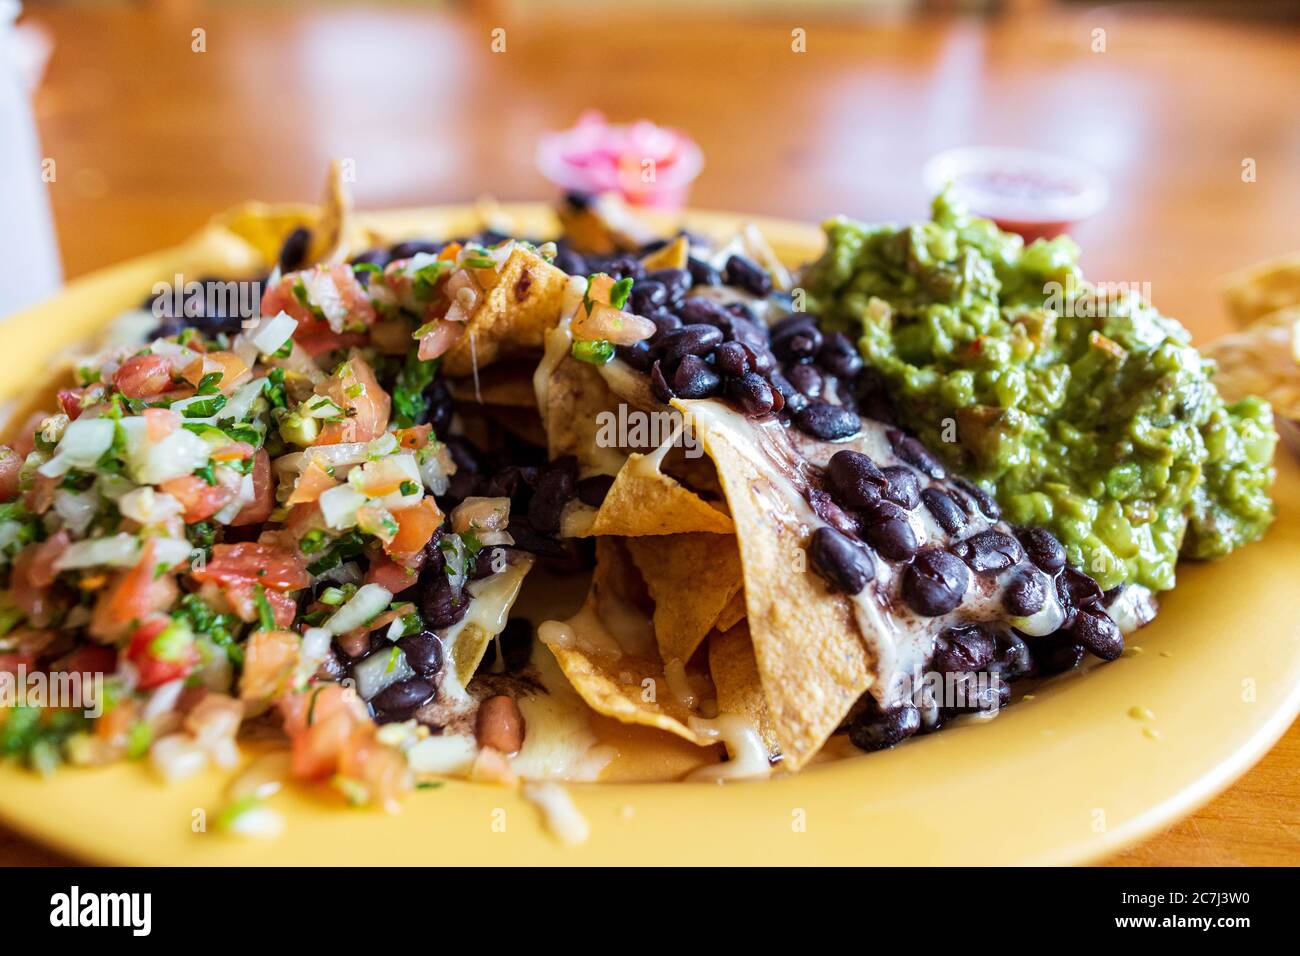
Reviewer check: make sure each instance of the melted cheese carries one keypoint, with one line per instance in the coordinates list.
(559, 812)
(744, 745)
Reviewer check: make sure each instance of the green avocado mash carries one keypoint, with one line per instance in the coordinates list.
(1085, 409)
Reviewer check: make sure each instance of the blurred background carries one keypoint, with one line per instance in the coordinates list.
(152, 115)
(158, 113)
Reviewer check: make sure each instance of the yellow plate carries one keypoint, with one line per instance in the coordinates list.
(1068, 776)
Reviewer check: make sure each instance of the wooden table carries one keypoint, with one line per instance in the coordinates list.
(151, 137)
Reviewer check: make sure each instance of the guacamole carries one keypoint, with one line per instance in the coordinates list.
(1087, 411)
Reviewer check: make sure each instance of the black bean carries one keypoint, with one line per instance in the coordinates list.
(554, 490)
(638, 355)
(702, 273)
(1056, 653)
(742, 311)
(915, 454)
(1043, 549)
(488, 562)
(854, 479)
(901, 486)
(964, 649)
(731, 358)
(791, 398)
(696, 339)
(593, 489)
(702, 311)
(441, 407)
(745, 273)
(695, 379)
(618, 267)
(839, 355)
(441, 604)
(515, 482)
(570, 262)
(647, 295)
(516, 641)
(987, 503)
(665, 322)
(676, 282)
(754, 336)
(399, 700)
(1012, 660)
(989, 551)
(791, 323)
(753, 393)
(935, 583)
(884, 525)
(843, 563)
(1026, 592)
(806, 379)
(1098, 633)
(532, 541)
(423, 652)
(873, 729)
(659, 384)
(986, 693)
(293, 252)
(798, 344)
(413, 247)
(828, 422)
(378, 256)
(1076, 589)
(824, 506)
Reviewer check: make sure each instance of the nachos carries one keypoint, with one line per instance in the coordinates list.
(521, 508)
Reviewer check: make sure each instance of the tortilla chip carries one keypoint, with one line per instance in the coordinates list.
(513, 316)
(735, 676)
(645, 501)
(619, 673)
(493, 598)
(675, 255)
(576, 396)
(1262, 360)
(330, 238)
(691, 578)
(507, 383)
(733, 613)
(1262, 289)
(812, 663)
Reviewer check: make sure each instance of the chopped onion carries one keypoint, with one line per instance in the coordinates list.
(177, 455)
(339, 506)
(76, 510)
(324, 294)
(436, 468)
(481, 514)
(315, 648)
(177, 757)
(148, 506)
(172, 551)
(82, 445)
(446, 753)
(273, 334)
(380, 670)
(236, 505)
(163, 700)
(368, 603)
(117, 551)
(241, 403)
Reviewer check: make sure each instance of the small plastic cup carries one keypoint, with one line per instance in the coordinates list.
(1036, 194)
(648, 165)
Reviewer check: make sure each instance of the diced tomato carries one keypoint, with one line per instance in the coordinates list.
(320, 340)
(281, 298)
(312, 483)
(381, 769)
(383, 477)
(135, 595)
(200, 499)
(270, 658)
(319, 722)
(249, 562)
(259, 509)
(353, 387)
(143, 376)
(235, 451)
(70, 402)
(232, 368)
(33, 573)
(390, 575)
(440, 338)
(160, 422)
(40, 496)
(10, 464)
(417, 436)
(415, 526)
(10, 663)
(304, 518)
(161, 652)
(88, 659)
